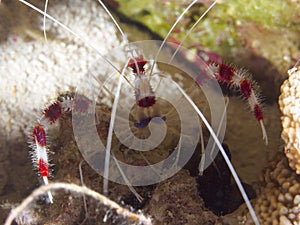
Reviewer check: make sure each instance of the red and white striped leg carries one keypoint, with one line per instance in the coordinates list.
(240, 79)
(38, 136)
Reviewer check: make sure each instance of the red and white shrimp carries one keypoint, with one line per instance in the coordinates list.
(144, 94)
(39, 140)
(38, 135)
(240, 79)
(145, 100)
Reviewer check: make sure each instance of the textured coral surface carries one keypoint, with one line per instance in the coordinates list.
(278, 201)
(289, 102)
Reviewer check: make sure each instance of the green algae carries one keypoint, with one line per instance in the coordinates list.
(235, 30)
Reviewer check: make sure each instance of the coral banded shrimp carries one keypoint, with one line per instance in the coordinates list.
(147, 84)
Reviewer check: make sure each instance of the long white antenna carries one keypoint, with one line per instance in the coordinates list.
(202, 162)
(115, 22)
(110, 132)
(170, 31)
(192, 28)
(44, 20)
(223, 152)
(70, 31)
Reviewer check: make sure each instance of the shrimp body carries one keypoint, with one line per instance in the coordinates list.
(143, 92)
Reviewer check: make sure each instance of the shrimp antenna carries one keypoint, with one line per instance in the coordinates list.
(44, 20)
(295, 67)
(110, 132)
(114, 21)
(202, 161)
(124, 38)
(170, 31)
(70, 31)
(297, 63)
(223, 152)
(120, 30)
(108, 147)
(192, 28)
(109, 141)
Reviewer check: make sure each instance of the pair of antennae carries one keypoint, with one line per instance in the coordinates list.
(46, 15)
(229, 164)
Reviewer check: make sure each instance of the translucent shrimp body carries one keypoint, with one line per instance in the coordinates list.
(128, 113)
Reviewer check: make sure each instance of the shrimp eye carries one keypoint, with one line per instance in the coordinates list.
(138, 61)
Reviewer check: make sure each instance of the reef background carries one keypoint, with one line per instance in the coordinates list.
(262, 38)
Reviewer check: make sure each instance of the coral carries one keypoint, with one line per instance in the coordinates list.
(289, 102)
(278, 201)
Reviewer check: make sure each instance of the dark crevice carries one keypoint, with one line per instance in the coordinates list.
(218, 189)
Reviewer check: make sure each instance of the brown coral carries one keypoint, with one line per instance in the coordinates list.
(289, 102)
(279, 199)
